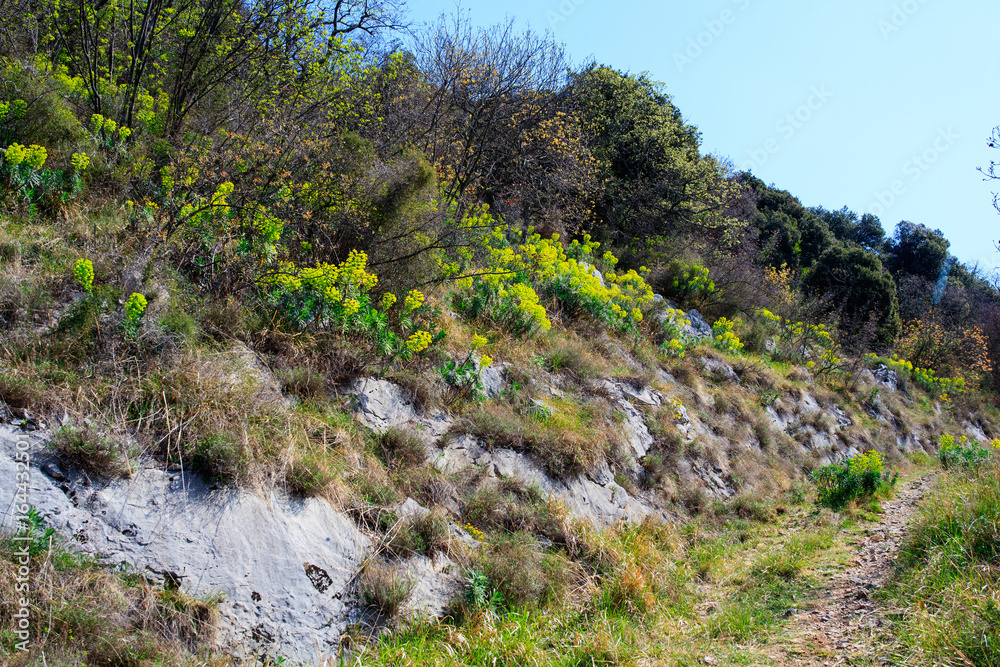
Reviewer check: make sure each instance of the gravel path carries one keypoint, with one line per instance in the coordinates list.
(842, 624)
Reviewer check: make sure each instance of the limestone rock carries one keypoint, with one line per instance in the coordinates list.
(282, 564)
(411, 510)
(638, 436)
(382, 405)
(718, 370)
(493, 380)
(699, 328)
(437, 582)
(886, 377)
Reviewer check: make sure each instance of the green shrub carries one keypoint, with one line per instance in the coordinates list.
(859, 477)
(965, 453)
(725, 339)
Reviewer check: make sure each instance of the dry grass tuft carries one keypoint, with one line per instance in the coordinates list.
(82, 613)
(567, 437)
(385, 586)
(89, 450)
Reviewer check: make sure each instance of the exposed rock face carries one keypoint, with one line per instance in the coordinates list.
(287, 567)
(594, 496)
(383, 405)
(493, 380)
(698, 328)
(638, 436)
(886, 377)
(437, 583)
(283, 565)
(622, 393)
(719, 370)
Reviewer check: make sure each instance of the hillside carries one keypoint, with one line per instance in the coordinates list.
(317, 348)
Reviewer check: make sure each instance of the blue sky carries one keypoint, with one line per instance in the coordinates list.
(880, 105)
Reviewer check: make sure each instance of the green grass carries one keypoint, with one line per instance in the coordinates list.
(948, 611)
(81, 613)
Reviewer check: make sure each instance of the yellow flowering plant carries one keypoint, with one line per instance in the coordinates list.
(675, 342)
(725, 339)
(338, 296)
(795, 339)
(135, 307)
(964, 452)
(466, 376)
(857, 478)
(927, 378)
(516, 274)
(83, 272)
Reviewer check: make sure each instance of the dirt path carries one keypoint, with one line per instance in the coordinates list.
(842, 625)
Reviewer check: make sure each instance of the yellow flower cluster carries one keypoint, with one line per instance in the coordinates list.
(527, 302)
(33, 156)
(547, 265)
(674, 348)
(337, 283)
(15, 108)
(870, 462)
(83, 271)
(817, 331)
(479, 342)
(80, 161)
(677, 407)
(485, 361)
(418, 342)
(388, 300)
(268, 226)
(725, 339)
(926, 377)
(810, 332)
(413, 300)
(135, 306)
(351, 307)
(768, 315)
(472, 530)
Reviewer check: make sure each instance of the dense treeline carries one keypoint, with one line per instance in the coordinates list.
(249, 141)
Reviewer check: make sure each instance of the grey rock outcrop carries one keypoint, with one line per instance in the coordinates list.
(383, 405)
(282, 565)
(699, 328)
(493, 379)
(594, 496)
(718, 370)
(886, 377)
